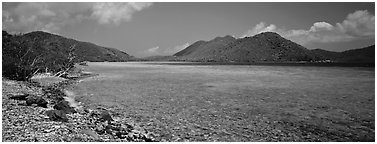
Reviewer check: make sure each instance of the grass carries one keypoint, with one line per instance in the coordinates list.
(237, 103)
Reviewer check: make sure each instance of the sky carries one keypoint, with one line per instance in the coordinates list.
(164, 28)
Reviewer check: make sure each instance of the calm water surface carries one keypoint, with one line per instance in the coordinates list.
(221, 98)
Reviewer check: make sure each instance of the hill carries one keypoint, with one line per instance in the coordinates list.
(263, 47)
(36, 51)
(267, 47)
(85, 51)
(202, 49)
(361, 55)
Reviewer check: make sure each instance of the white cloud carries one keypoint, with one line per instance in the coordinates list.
(25, 17)
(173, 50)
(166, 51)
(321, 26)
(259, 28)
(116, 12)
(153, 50)
(7, 17)
(357, 25)
(140, 5)
(52, 17)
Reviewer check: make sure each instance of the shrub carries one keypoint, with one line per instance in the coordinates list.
(25, 56)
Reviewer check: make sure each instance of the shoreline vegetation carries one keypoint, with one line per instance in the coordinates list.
(59, 117)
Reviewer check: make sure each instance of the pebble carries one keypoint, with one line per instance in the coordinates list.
(28, 124)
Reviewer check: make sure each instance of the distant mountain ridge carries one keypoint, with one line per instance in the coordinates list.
(266, 47)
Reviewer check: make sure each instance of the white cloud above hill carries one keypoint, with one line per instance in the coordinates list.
(357, 25)
(165, 51)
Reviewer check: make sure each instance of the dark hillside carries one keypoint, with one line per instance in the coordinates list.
(362, 55)
(326, 55)
(205, 51)
(267, 47)
(190, 48)
(84, 50)
(39, 51)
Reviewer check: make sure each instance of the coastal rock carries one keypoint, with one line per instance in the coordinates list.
(36, 100)
(28, 124)
(90, 133)
(53, 92)
(57, 115)
(18, 97)
(105, 116)
(64, 106)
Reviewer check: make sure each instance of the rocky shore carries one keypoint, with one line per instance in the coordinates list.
(42, 112)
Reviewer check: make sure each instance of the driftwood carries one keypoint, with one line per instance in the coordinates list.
(70, 64)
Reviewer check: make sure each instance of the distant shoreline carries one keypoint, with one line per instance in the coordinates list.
(263, 63)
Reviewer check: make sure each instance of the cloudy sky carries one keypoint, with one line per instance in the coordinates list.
(146, 29)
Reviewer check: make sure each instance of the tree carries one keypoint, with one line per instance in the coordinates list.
(69, 65)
